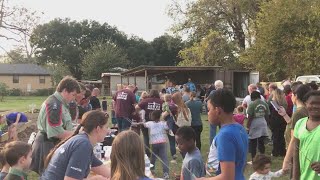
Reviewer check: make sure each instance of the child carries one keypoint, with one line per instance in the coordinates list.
(192, 165)
(306, 156)
(239, 117)
(104, 104)
(127, 157)
(261, 165)
(221, 106)
(158, 140)
(142, 112)
(166, 108)
(12, 120)
(18, 156)
(5, 166)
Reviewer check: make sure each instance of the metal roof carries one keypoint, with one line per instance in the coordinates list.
(22, 69)
(152, 70)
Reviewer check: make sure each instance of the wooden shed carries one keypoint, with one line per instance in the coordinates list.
(156, 76)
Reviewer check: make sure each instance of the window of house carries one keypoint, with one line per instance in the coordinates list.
(42, 79)
(15, 78)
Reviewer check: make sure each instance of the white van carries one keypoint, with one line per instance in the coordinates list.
(309, 79)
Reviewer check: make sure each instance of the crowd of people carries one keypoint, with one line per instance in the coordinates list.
(73, 120)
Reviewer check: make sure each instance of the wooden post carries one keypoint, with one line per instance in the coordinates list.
(128, 79)
(120, 81)
(146, 80)
(135, 80)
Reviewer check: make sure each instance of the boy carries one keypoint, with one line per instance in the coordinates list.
(12, 120)
(18, 156)
(192, 165)
(306, 155)
(231, 142)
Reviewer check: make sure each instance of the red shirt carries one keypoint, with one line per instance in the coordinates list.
(150, 105)
(124, 103)
(290, 104)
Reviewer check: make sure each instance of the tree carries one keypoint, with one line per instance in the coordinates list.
(16, 24)
(213, 50)
(3, 91)
(231, 18)
(167, 48)
(17, 56)
(102, 57)
(139, 52)
(287, 41)
(67, 42)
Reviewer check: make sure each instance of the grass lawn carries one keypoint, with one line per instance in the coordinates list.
(21, 103)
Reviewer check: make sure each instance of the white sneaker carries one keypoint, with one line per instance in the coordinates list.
(173, 161)
(249, 162)
(171, 133)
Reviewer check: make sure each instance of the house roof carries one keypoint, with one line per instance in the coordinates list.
(22, 69)
(110, 74)
(153, 70)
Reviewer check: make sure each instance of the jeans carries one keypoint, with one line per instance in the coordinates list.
(161, 151)
(170, 122)
(198, 130)
(145, 133)
(123, 123)
(253, 143)
(213, 131)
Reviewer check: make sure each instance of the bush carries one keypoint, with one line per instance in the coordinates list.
(43, 92)
(3, 90)
(15, 92)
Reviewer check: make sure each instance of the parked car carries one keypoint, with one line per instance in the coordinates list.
(309, 79)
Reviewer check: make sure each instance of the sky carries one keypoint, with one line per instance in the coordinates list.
(147, 19)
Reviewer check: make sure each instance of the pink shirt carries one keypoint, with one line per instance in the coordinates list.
(239, 118)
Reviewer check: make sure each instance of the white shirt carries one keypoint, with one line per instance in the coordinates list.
(247, 100)
(157, 131)
(257, 176)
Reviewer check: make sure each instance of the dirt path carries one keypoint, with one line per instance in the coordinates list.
(24, 135)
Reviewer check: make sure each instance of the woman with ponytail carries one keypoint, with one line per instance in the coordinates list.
(72, 158)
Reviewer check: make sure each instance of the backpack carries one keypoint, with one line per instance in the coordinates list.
(181, 121)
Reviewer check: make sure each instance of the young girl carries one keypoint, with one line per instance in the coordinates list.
(166, 109)
(261, 165)
(158, 141)
(127, 157)
(239, 117)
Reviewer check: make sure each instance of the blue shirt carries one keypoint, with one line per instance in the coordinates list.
(195, 107)
(191, 86)
(11, 118)
(73, 159)
(193, 165)
(232, 146)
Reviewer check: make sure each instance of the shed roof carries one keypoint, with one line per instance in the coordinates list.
(22, 69)
(152, 70)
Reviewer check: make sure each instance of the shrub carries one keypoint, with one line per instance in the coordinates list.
(15, 92)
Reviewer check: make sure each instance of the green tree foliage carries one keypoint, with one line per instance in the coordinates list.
(139, 52)
(66, 42)
(102, 57)
(18, 56)
(167, 48)
(232, 18)
(214, 49)
(287, 40)
(3, 91)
